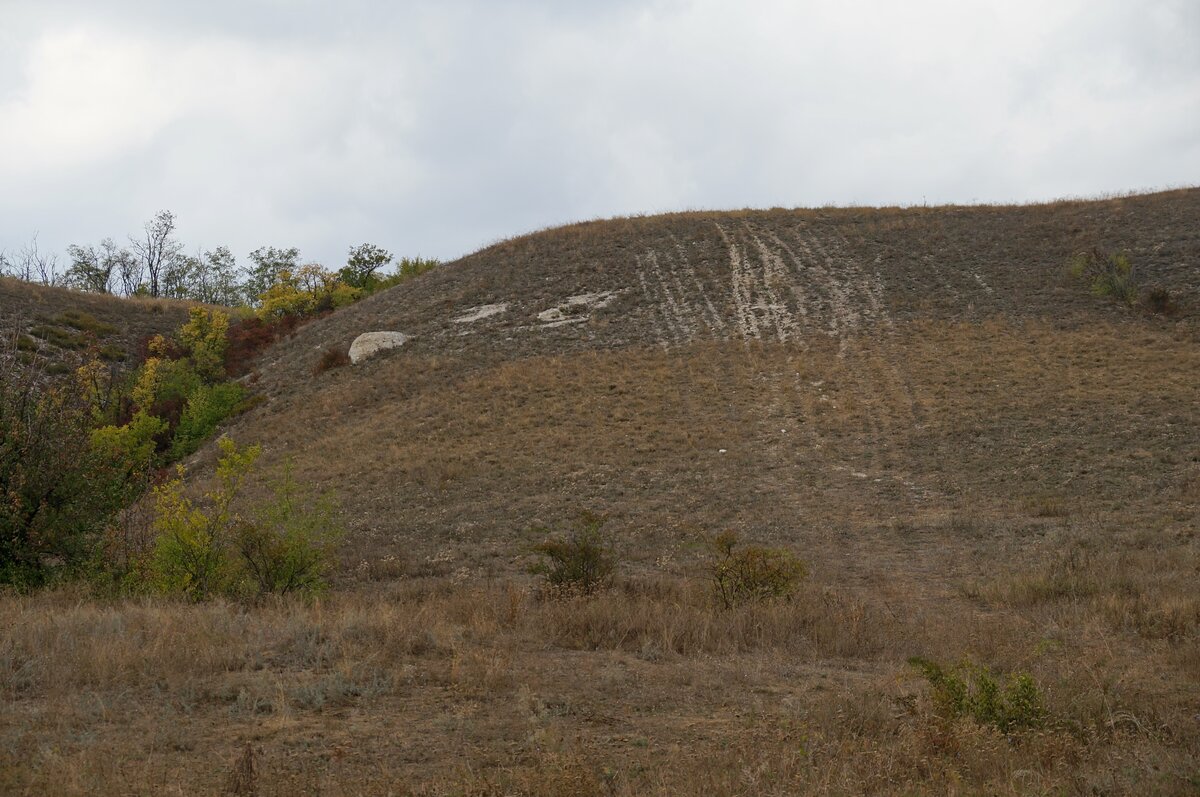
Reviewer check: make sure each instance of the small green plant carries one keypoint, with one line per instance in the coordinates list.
(742, 573)
(578, 563)
(969, 690)
(1109, 275)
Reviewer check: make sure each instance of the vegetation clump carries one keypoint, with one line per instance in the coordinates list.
(744, 573)
(579, 563)
(209, 548)
(969, 690)
(1108, 275)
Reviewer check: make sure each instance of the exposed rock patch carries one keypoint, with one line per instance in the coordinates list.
(479, 313)
(368, 344)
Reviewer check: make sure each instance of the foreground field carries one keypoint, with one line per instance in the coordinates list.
(434, 686)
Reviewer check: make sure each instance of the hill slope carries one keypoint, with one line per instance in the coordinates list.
(857, 367)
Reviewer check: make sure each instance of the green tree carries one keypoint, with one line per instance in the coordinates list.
(362, 263)
(268, 263)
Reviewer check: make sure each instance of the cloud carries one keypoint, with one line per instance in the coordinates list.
(438, 128)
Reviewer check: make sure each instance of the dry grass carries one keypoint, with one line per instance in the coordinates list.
(646, 688)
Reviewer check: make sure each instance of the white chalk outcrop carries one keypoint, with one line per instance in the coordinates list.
(368, 344)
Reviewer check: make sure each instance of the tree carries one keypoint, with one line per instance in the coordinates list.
(268, 263)
(32, 265)
(157, 251)
(362, 263)
(96, 269)
(221, 284)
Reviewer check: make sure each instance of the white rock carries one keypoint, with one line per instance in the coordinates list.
(479, 313)
(369, 344)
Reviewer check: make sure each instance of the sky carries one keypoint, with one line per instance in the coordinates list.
(437, 128)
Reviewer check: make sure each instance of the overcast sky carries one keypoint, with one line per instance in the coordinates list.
(436, 128)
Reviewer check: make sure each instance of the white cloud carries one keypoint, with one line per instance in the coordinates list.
(439, 128)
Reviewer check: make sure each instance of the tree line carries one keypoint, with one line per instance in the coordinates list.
(155, 264)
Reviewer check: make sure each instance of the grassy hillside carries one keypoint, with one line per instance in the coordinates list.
(62, 323)
(976, 457)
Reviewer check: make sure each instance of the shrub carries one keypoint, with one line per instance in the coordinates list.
(751, 572)
(85, 322)
(289, 546)
(969, 690)
(332, 357)
(192, 552)
(578, 563)
(204, 338)
(206, 408)
(57, 493)
(1109, 275)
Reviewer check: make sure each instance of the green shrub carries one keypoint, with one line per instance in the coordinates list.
(285, 546)
(751, 572)
(578, 563)
(206, 408)
(57, 336)
(192, 553)
(1108, 275)
(289, 545)
(57, 494)
(970, 690)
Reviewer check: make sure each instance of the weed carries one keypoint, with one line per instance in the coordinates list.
(969, 690)
(751, 572)
(1159, 301)
(1110, 275)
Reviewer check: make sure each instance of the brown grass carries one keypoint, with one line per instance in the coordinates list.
(645, 688)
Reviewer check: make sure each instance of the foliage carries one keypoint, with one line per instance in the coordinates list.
(580, 562)
(969, 690)
(208, 548)
(192, 546)
(361, 264)
(407, 268)
(751, 572)
(1109, 275)
(285, 297)
(207, 406)
(204, 338)
(56, 492)
(289, 546)
(268, 262)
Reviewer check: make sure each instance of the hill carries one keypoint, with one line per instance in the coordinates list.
(606, 365)
(978, 460)
(62, 322)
